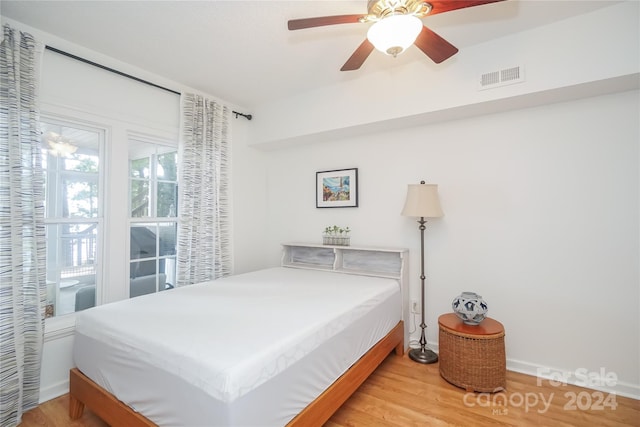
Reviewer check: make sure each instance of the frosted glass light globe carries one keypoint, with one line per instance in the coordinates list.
(393, 34)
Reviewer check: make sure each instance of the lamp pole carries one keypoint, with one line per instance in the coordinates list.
(422, 202)
(422, 354)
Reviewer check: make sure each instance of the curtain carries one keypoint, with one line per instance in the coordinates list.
(203, 196)
(22, 231)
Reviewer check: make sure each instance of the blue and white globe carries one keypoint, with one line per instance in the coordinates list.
(470, 307)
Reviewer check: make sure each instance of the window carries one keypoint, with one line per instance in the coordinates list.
(153, 199)
(73, 213)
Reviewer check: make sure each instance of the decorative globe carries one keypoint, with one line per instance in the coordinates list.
(470, 307)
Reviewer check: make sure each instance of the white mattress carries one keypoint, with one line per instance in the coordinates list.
(248, 350)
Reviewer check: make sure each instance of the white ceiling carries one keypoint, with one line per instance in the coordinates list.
(242, 52)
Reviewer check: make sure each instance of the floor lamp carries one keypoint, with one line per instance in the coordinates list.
(422, 202)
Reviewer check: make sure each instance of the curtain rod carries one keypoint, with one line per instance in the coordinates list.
(120, 73)
(104, 67)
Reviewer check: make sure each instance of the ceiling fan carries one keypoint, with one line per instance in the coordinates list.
(396, 26)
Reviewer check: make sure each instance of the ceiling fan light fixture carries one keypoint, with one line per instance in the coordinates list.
(58, 145)
(395, 33)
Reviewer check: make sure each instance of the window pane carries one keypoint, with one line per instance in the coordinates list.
(168, 166)
(167, 199)
(168, 233)
(71, 266)
(153, 249)
(71, 160)
(79, 197)
(140, 168)
(139, 198)
(168, 237)
(81, 163)
(67, 141)
(143, 241)
(143, 268)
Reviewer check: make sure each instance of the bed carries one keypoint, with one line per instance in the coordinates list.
(280, 346)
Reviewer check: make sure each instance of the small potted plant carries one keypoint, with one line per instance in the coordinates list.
(334, 235)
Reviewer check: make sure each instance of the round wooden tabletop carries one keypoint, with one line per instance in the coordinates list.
(488, 326)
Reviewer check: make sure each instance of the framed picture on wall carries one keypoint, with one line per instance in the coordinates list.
(337, 188)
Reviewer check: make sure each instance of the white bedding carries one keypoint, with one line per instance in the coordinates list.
(251, 349)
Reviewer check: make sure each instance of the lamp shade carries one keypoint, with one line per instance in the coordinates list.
(393, 34)
(422, 201)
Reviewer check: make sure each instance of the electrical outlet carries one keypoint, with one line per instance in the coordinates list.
(415, 307)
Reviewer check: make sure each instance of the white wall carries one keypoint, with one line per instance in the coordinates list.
(250, 199)
(541, 219)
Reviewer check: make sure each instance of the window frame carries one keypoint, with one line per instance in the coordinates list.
(58, 218)
(152, 218)
(114, 247)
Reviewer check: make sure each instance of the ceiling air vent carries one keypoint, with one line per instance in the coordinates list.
(499, 78)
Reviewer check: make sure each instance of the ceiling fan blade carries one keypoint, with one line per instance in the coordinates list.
(299, 24)
(358, 57)
(434, 46)
(449, 5)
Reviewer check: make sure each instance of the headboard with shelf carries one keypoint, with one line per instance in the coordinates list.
(364, 261)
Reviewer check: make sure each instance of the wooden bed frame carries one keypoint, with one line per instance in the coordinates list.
(377, 262)
(83, 391)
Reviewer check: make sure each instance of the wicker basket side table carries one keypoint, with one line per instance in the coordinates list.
(472, 357)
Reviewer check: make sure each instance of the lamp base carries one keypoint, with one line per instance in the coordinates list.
(420, 356)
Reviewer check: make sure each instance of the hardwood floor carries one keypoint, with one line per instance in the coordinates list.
(403, 393)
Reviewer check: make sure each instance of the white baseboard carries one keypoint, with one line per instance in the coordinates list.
(54, 390)
(602, 381)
